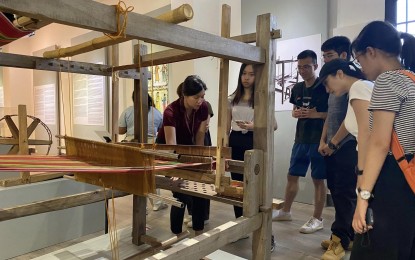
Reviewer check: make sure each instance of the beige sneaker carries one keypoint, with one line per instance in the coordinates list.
(326, 243)
(335, 251)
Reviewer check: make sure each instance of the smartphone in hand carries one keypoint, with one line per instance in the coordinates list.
(369, 217)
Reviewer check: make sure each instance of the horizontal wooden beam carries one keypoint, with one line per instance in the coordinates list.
(208, 242)
(38, 63)
(174, 55)
(195, 150)
(58, 204)
(99, 17)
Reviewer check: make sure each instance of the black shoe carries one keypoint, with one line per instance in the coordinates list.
(272, 243)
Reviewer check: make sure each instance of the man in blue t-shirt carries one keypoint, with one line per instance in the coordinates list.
(310, 108)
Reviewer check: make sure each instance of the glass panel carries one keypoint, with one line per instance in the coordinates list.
(401, 27)
(411, 28)
(401, 11)
(411, 10)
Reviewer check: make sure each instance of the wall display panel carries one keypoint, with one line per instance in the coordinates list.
(158, 86)
(288, 76)
(89, 94)
(46, 105)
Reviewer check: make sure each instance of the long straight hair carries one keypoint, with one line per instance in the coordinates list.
(240, 90)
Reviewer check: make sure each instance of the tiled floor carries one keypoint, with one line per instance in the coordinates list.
(291, 244)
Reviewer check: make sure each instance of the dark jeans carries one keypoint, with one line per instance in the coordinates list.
(393, 205)
(240, 143)
(198, 212)
(341, 181)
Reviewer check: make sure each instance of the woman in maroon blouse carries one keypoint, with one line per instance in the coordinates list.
(184, 122)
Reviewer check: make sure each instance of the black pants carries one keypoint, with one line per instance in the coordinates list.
(198, 212)
(341, 181)
(393, 205)
(240, 143)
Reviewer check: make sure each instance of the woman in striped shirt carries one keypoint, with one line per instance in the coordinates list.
(383, 53)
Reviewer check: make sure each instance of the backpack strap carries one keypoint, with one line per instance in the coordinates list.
(399, 153)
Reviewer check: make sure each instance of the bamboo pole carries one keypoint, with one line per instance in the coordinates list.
(181, 14)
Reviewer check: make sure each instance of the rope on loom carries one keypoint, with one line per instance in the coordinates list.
(122, 10)
(112, 224)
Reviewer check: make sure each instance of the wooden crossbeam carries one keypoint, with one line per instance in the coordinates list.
(174, 55)
(38, 63)
(99, 17)
(58, 204)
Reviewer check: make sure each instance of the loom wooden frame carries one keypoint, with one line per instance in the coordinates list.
(258, 162)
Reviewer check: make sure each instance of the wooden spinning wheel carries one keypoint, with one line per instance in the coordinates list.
(20, 135)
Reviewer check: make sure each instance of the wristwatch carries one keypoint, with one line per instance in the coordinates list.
(332, 146)
(364, 194)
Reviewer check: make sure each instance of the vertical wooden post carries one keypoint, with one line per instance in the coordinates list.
(222, 135)
(23, 139)
(253, 161)
(115, 93)
(140, 134)
(264, 131)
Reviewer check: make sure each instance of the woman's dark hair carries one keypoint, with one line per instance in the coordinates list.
(179, 90)
(383, 36)
(240, 90)
(191, 86)
(348, 68)
(150, 102)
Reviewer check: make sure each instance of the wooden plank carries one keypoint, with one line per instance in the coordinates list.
(196, 150)
(102, 18)
(32, 126)
(114, 56)
(140, 134)
(192, 175)
(222, 135)
(264, 131)
(12, 126)
(23, 142)
(38, 177)
(58, 204)
(235, 166)
(11, 141)
(210, 241)
(174, 55)
(252, 184)
(38, 63)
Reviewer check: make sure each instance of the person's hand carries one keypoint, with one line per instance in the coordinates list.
(207, 128)
(325, 150)
(246, 125)
(359, 218)
(309, 113)
(321, 148)
(296, 113)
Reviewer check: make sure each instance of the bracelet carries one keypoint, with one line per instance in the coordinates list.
(357, 171)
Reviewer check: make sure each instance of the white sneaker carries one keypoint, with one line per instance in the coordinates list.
(311, 226)
(160, 207)
(187, 219)
(190, 224)
(279, 215)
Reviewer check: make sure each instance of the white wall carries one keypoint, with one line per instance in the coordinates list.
(352, 15)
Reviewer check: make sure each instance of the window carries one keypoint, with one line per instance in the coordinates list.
(405, 16)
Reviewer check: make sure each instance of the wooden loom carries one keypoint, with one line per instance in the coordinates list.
(191, 44)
